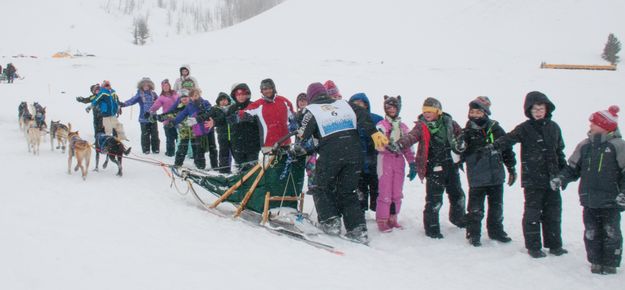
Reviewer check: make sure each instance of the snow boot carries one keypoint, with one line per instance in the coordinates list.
(392, 222)
(475, 241)
(434, 235)
(384, 226)
(558, 251)
(331, 226)
(500, 237)
(358, 235)
(536, 253)
(596, 269)
(608, 270)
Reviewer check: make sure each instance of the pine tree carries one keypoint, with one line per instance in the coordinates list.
(611, 49)
(141, 32)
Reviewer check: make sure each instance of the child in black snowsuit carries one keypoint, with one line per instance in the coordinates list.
(97, 117)
(485, 172)
(218, 115)
(244, 136)
(599, 163)
(542, 158)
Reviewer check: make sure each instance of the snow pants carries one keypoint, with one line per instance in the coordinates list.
(602, 236)
(334, 190)
(368, 184)
(111, 123)
(225, 155)
(171, 134)
(196, 148)
(212, 149)
(391, 172)
(494, 220)
(149, 137)
(542, 207)
(437, 182)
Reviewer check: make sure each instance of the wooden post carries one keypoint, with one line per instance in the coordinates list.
(266, 209)
(232, 189)
(301, 202)
(249, 193)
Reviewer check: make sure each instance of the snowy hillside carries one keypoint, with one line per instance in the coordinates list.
(136, 232)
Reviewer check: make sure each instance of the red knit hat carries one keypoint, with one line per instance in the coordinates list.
(606, 119)
(333, 90)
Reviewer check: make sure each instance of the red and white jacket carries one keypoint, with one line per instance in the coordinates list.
(273, 117)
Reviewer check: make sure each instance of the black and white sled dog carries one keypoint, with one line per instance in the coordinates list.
(25, 115)
(112, 148)
(59, 132)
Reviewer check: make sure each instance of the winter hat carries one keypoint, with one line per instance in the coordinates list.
(606, 119)
(184, 93)
(394, 102)
(333, 90)
(222, 96)
(315, 91)
(481, 103)
(301, 96)
(93, 88)
(432, 105)
(268, 83)
(165, 81)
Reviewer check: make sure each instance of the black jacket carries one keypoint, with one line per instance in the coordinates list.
(600, 163)
(244, 136)
(485, 168)
(344, 142)
(542, 146)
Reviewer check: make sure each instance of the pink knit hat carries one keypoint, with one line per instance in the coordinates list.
(333, 90)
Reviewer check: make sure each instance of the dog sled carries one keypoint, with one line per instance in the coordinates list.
(267, 195)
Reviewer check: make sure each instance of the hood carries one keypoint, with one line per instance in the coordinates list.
(240, 86)
(185, 66)
(361, 97)
(222, 96)
(537, 97)
(144, 81)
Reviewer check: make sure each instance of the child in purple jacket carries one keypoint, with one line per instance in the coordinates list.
(391, 166)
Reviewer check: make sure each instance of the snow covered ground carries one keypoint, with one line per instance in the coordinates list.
(58, 232)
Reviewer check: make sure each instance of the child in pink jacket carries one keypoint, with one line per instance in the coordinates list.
(391, 166)
(165, 101)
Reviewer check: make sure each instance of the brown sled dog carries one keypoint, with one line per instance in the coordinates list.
(59, 132)
(81, 149)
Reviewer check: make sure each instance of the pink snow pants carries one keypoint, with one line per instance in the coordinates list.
(391, 172)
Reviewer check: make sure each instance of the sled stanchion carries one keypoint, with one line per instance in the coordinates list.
(249, 193)
(232, 189)
(300, 207)
(266, 209)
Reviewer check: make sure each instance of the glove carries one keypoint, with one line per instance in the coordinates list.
(620, 201)
(152, 117)
(296, 150)
(511, 176)
(191, 121)
(88, 109)
(80, 99)
(555, 183)
(393, 147)
(412, 172)
(146, 115)
(379, 140)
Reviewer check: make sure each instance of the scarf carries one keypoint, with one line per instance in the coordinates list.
(395, 128)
